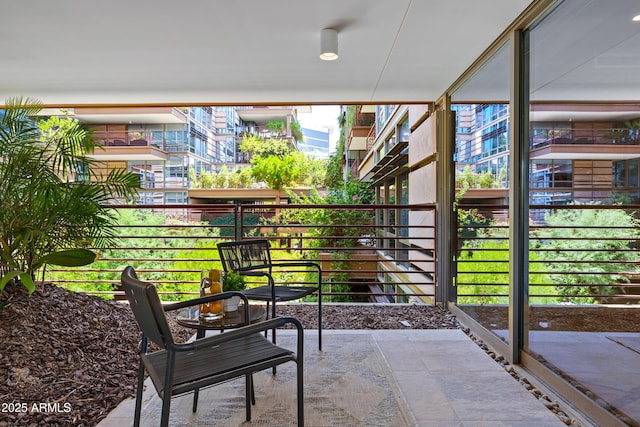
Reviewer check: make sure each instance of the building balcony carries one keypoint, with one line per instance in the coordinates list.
(133, 150)
(359, 138)
(597, 144)
(363, 131)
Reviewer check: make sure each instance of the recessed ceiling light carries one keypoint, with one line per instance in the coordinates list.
(636, 18)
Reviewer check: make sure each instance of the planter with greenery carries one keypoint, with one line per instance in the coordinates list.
(53, 205)
(232, 281)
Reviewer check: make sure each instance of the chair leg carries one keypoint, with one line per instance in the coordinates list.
(136, 418)
(248, 391)
(319, 319)
(195, 400)
(266, 316)
(253, 391)
(166, 408)
(166, 393)
(273, 331)
(300, 381)
(196, 392)
(273, 315)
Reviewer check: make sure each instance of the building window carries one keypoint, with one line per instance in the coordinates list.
(177, 197)
(404, 131)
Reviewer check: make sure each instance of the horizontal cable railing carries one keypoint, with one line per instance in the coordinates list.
(577, 254)
(368, 253)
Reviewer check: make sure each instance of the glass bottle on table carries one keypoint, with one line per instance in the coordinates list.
(211, 284)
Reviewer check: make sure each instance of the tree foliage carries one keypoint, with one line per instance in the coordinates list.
(588, 249)
(346, 225)
(260, 147)
(467, 178)
(277, 172)
(225, 178)
(276, 126)
(277, 164)
(335, 166)
(52, 200)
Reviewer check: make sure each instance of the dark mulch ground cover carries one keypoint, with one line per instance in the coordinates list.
(69, 359)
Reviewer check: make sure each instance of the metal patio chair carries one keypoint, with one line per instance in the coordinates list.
(178, 368)
(253, 258)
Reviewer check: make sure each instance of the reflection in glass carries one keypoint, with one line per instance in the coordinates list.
(583, 186)
(481, 107)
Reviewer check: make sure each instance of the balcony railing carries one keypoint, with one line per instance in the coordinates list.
(173, 141)
(119, 138)
(577, 254)
(369, 253)
(599, 136)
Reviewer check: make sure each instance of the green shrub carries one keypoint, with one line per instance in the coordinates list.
(484, 264)
(589, 249)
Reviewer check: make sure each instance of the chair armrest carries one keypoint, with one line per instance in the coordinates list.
(244, 331)
(250, 272)
(203, 300)
(301, 264)
(296, 264)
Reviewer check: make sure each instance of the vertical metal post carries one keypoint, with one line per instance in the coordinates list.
(238, 221)
(518, 196)
(445, 220)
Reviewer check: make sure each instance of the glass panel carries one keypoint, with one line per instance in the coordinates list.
(583, 256)
(481, 166)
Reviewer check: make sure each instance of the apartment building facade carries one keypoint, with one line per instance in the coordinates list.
(579, 153)
(586, 161)
(168, 146)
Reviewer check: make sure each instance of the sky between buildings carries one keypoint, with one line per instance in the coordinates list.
(323, 117)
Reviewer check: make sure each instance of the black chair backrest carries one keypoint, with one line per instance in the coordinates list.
(147, 308)
(245, 255)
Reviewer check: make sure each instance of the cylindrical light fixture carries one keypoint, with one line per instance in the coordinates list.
(329, 44)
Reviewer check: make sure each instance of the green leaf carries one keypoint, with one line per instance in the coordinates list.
(7, 278)
(69, 258)
(27, 282)
(25, 279)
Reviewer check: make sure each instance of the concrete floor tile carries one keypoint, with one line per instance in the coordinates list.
(491, 396)
(402, 356)
(524, 423)
(427, 401)
(445, 379)
(451, 357)
(439, 335)
(427, 423)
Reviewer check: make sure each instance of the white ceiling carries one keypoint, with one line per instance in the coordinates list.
(585, 50)
(73, 52)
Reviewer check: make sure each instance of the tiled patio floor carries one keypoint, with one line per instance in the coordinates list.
(444, 378)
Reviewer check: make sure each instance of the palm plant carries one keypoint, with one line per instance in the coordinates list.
(52, 202)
